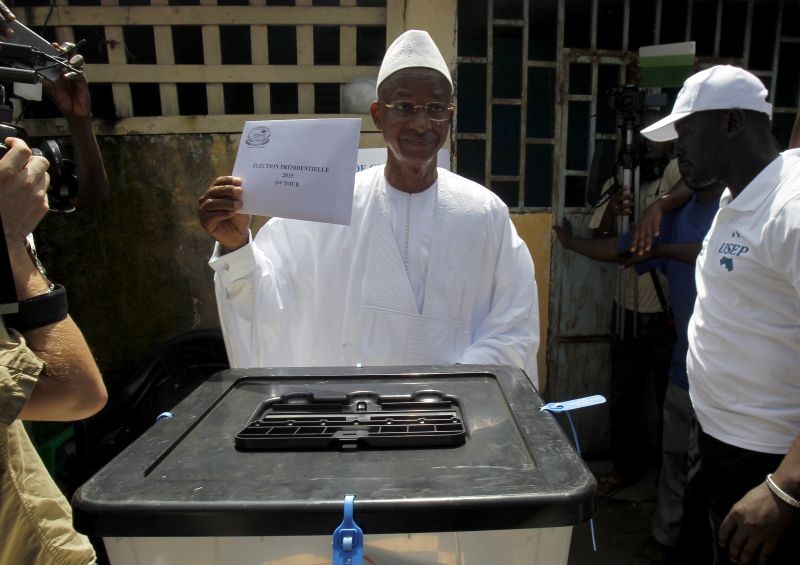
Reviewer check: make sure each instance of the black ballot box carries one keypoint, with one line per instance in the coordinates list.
(449, 464)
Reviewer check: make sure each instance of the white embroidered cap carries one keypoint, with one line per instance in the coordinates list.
(414, 48)
(719, 88)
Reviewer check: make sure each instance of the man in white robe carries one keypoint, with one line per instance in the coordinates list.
(430, 271)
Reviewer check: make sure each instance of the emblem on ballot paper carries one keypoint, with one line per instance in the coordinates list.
(258, 136)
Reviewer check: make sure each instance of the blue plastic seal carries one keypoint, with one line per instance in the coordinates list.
(566, 406)
(348, 539)
(164, 416)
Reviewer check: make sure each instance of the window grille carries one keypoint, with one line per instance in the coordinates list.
(533, 77)
(205, 66)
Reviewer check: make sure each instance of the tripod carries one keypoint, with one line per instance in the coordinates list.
(628, 170)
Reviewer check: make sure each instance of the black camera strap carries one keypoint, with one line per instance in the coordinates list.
(662, 299)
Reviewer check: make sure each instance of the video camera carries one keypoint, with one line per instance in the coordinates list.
(629, 103)
(63, 180)
(29, 64)
(629, 100)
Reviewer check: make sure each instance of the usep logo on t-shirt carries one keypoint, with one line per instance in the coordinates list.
(731, 250)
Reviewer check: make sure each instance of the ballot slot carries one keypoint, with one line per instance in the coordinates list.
(358, 420)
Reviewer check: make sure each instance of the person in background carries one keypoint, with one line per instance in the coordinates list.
(430, 271)
(70, 94)
(673, 253)
(640, 355)
(47, 372)
(744, 334)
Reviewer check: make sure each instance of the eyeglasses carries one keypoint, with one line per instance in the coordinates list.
(403, 109)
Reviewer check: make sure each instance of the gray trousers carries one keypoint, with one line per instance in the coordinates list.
(678, 416)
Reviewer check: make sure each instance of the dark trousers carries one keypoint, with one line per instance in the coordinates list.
(727, 474)
(638, 363)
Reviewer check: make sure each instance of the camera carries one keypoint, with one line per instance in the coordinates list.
(29, 64)
(629, 100)
(29, 50)
(63, 180)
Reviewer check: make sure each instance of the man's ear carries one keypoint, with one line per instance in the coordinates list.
(735, 120)
(375, 111)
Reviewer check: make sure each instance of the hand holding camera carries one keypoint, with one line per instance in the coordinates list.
(27, 57)
(23, 190)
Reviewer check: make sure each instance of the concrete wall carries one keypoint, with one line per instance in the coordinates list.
(135, 266)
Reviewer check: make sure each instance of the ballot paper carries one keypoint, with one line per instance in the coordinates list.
(301, 169)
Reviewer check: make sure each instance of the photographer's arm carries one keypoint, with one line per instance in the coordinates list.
(70, 93)
(71, 386)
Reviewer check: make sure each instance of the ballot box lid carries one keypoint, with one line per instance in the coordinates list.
(186, 476)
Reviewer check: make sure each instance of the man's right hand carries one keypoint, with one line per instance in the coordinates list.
(218, 211)
(648, 228)
(23, 190)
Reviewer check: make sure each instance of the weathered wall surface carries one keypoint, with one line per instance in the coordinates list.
(135, 267)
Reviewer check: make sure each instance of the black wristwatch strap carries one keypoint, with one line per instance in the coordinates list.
(38, 311)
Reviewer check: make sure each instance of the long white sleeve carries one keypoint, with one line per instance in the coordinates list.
(509, 334)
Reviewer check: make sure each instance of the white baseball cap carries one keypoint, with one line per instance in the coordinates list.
(719, 88)
(414, 48)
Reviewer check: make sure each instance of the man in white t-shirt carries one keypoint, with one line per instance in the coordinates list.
(744, 336)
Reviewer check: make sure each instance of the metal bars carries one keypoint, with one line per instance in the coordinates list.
(566, 55)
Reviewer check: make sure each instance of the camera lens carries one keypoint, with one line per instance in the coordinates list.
(626, 101)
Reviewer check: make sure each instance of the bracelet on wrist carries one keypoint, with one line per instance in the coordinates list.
(780, 493)
(41, 310)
